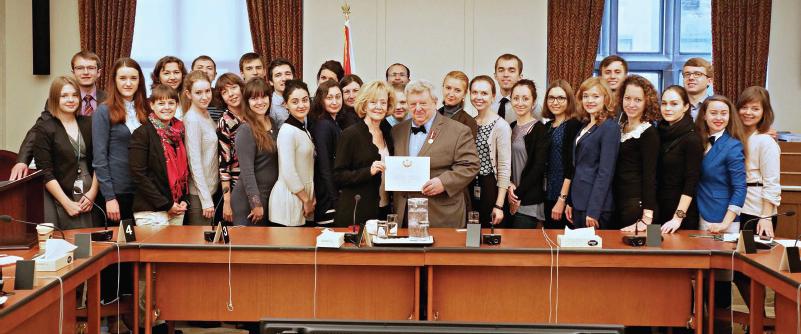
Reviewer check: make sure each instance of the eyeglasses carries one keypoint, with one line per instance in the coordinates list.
(84, 68)
(693, 75)
(557, 99)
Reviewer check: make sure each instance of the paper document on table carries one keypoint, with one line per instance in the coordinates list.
(406, 173)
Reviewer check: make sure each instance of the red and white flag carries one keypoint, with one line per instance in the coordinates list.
(348, 60)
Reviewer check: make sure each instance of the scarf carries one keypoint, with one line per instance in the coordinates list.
(174, 154)
(669, 133)
(451, 111)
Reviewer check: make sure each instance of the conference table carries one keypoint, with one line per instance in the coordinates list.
(279, 273)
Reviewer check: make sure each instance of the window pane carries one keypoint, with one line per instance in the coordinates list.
(181, 28)
(639, 26)
(654, 77)
(696, 26)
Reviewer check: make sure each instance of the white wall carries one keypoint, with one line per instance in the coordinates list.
(24, 92)
(784, 64)
(431, 37)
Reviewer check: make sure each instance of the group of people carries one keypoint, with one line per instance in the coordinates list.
(260, 148)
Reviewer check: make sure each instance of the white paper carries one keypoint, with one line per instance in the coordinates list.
(330, 239)
(788, 242)
(56, 248)
(406, 173)
(733, 237)
(587, 232)
(10, 259)
(371, 226)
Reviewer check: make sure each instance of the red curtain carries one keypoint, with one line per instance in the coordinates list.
(107, 28)
(573, 30)
(740, 43)
(276, 27)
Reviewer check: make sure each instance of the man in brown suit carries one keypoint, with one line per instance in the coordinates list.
(452, 149)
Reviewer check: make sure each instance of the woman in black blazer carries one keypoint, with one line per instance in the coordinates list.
(561, 107)
(63, 150)
(635, 174)
(359, 165)
(326, 107)
(679, 167)
(530, 145)
(159, 168)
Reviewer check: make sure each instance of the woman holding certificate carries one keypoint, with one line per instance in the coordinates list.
(359, 165)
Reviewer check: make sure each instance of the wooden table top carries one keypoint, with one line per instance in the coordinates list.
(297, 245)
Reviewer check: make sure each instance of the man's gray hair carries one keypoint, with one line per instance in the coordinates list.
(419, 87)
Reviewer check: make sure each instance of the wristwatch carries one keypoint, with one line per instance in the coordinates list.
(681, 214)
(563, 197)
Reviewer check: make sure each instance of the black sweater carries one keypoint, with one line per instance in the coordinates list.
(531, 189)
(635, 173)
(679, 169)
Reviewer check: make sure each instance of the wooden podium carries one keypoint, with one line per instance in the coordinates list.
(23, 200)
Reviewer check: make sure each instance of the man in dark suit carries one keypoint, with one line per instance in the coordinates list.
(86, 67)
(452, 149)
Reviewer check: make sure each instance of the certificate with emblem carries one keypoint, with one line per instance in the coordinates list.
(406, 173)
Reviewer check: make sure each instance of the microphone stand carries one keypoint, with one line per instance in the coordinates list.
(353, 236)
(9, 219)
(209, 235)
(746, 242)
(105, 234)
(635, 240)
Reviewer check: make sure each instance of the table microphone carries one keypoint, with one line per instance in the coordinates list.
(352, 237)
(746, 242)
(105, 234)
(209, 235)
(7, 218)
(789, 213)
(635, 240)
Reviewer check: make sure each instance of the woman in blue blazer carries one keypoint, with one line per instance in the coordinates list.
(594, 157)
(722, 189)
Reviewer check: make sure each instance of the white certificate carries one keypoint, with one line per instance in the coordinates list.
(406, 173)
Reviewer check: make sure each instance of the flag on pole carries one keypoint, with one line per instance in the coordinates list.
(348, 60)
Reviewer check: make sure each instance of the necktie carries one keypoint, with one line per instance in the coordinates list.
(711, 140)
(502, 107)
(87, 101)
(418, 129)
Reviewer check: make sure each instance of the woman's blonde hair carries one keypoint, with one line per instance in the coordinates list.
(371, 92)
(609, 101)
(55, 93)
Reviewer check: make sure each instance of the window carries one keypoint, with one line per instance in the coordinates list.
(656, 37)
(189, 28)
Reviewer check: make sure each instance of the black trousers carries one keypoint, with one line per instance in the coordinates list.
(108, 276)
(550, 223)
(486, 200)
(627, 212)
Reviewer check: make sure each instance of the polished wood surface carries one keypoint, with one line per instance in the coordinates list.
(630, 296)
(273, 274)
(22, 200)
(7, 161)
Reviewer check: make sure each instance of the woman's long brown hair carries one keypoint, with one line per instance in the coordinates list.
(257, 87)
(115, 101)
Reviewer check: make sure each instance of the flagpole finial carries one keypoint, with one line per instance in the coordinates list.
(346, 10)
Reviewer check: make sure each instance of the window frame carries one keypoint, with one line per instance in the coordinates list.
(667, 63)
